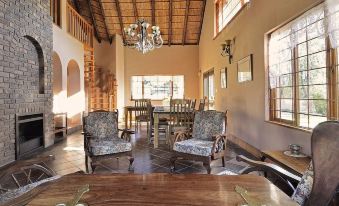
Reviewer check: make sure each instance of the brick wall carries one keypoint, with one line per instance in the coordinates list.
(26, 41)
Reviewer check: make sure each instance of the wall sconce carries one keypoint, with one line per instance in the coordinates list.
(226, 50)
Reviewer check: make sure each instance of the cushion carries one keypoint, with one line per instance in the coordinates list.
(208, 124)
(109, 146)
(102, 124)
(194, 146)
(303, 190)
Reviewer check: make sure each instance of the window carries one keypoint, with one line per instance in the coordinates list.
(302, 76)
(157, 87)
(226, 10)
(55, 11)
(209, 88)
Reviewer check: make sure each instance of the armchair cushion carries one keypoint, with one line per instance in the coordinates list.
(194, 146)
(102, 124)
(303, 190)
(109, 146)
(208, 124)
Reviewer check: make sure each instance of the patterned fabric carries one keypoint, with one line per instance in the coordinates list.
(194, 146)
(303, 190)
(102, 125)
(208, 124)
(109, 146)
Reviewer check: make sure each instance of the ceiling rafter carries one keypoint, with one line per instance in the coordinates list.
(170, 14)
(93, 20)
(117, 5)
(185, 23)
(153, 12)
(202, 20)
(104, 17)
(136, 14)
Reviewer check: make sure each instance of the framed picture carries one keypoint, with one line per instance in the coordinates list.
(223, 78)
(245, 69)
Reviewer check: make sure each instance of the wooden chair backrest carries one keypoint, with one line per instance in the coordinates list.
(193, 103)
(325, 154)
(180, 113)
(202, 105)
(141, 105)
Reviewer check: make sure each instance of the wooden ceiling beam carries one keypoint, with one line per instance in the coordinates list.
(117, 5)
(105, 23)
(135, 10)
(96, 34)
(170, 14)
(153, 12)
(202, 19)
(185, 23)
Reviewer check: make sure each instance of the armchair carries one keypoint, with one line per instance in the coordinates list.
(320, 181)
(101, 138)
(207, 141)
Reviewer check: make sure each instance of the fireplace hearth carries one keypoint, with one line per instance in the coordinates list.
(29, 133)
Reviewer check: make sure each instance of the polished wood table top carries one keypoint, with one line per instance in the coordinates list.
(298, 165)
(161, 189)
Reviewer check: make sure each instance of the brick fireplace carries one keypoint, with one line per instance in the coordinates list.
(26, 41)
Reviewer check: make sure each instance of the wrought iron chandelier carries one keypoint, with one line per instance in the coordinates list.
(137, 37)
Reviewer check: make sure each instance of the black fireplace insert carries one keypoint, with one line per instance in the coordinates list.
(29, 134)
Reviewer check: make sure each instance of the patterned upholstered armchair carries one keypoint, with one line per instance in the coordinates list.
(320, 183)
(206, 142)
(101, 138)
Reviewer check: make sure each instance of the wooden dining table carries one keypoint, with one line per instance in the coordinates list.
(161, 189)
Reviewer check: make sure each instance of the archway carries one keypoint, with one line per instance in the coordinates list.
(73, 94)
(58, 97)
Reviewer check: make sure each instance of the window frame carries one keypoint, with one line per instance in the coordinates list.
(143, 86)
(217, 13)
(332, 84)
(56, 12)
(210, 74)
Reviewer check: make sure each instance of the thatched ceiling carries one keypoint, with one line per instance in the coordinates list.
(180, 21)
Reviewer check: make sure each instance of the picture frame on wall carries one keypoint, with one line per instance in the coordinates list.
(245, 69)
(223, 78)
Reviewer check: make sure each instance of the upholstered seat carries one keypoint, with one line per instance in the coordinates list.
(111, 146)
(207, 140)
(102, 137)
(194, 146)
(303, 190)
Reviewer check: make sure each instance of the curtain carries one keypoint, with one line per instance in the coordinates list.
(332, 27)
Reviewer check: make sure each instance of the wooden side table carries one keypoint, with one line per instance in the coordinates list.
(296, 165)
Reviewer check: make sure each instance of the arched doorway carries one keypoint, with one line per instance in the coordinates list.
(57, 83)
(74, 97)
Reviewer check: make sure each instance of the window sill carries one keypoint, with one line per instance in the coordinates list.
(289, 126)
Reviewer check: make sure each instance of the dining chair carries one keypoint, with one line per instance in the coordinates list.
(180, 118)
(141, 113)
(193, 104)
(320, 182)
(202, 105)
(102, 141)
(207, 141)
(163, 124)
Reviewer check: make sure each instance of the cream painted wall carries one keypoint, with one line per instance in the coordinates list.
(246, 101)
(174, 60)
(68, 48)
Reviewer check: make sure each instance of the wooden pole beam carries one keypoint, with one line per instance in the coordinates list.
(201, 20)
(104, 17)
(117, 5)
(135, 10)
(170, 14)
(153, 12)
(96, 34)
(186, 20)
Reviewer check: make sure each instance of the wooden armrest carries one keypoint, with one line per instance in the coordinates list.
(268, 167)
(217, 139)
(181, 135)
(126, 134)
(129, 131)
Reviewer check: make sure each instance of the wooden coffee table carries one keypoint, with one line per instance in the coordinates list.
(295, 165)
(161, 189)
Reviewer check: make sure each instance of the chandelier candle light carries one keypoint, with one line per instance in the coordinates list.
(139, 38)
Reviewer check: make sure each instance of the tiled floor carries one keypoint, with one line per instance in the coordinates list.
(69, 158)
